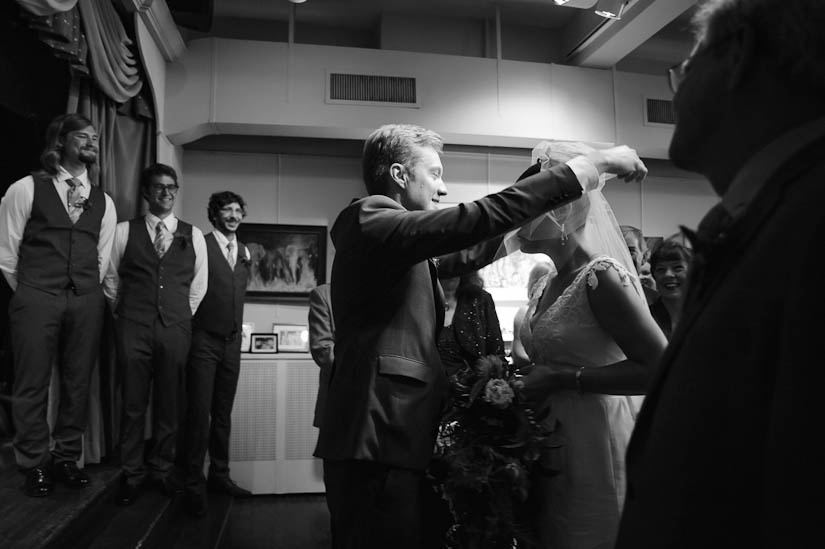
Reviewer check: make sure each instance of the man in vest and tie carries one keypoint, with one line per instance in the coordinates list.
(156, 279)
(215, 356)
(56, 236)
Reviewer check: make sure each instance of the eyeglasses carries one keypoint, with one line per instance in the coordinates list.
(159, 188)
(678, 72)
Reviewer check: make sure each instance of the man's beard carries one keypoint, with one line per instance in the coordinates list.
(87, 157)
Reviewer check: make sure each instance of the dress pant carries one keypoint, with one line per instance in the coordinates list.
(374, 506)
(211, 382)
(150, 356)
(43, 327)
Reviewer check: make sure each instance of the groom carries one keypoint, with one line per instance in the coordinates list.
(387, 383)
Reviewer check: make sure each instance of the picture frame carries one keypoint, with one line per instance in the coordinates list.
(263, 343)
(292, 338)
(247, 328)
(286, 261)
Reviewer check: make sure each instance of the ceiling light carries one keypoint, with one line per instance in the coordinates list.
(297, 1)
(611, 9)
(581, 4)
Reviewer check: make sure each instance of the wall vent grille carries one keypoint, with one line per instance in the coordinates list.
(659, 111)
(372, 89)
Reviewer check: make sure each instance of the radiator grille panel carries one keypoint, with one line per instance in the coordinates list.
(301, 436)
(253, 415)
(372, 88)
(660, 111)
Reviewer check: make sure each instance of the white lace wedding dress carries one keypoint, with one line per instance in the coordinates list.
(581, 506)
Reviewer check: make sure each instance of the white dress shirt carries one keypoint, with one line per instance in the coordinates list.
(197, 290)
(15, 211)
(585, 171)
(222, 241)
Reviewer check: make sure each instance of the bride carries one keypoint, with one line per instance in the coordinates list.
(592, 343)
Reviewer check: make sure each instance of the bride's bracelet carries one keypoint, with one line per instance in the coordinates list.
(579, 379)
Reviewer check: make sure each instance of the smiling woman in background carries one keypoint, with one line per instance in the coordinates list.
(669, 265)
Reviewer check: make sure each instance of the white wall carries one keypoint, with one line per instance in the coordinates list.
(311, 190)
(631, 91)
(284, 189)
(267, 88)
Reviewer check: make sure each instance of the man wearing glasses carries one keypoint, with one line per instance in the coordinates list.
(157, 277)
(724, 451)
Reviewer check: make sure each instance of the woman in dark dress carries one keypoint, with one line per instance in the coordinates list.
(669, 265)
(471, 327)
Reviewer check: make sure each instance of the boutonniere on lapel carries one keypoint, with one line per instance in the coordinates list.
(183, 240)
(246, 259)
(83, 203)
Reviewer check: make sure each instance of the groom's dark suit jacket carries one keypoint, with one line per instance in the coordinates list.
(725, 452)
(387, 384)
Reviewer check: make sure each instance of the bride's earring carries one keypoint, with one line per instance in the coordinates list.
(563, 235)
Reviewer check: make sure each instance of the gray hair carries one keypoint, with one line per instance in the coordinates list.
(789, 37)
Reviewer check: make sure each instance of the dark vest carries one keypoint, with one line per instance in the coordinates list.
(221, 311)
(151, 286)
(54, 253)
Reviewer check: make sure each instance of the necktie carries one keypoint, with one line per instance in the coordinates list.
(160, 238)
(73, 197)
(230, 257)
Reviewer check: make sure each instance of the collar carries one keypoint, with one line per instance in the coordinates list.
(170, 221)
(762, 167)
(223, 241)
(63, 175)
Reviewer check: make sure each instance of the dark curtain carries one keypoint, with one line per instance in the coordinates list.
(29, 99)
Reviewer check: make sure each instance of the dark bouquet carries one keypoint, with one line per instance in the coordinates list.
(489, 444)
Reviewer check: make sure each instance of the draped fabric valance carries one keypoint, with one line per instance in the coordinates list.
(89, 34)
(47, 7)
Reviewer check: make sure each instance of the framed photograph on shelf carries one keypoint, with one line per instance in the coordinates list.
(264, 343)
(286, 261)
(246, 336)
(292, 338)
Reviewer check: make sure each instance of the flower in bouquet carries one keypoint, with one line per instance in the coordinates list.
(498, 393)
(489, 444)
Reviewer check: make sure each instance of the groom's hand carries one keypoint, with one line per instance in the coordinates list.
(621, 161)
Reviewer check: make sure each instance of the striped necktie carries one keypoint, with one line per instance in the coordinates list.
(160, 238)
(74, 200)
(230, 256)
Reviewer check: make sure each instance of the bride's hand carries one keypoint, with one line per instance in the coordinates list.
(539, 380)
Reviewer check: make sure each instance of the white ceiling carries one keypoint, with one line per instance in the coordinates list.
(652, 35)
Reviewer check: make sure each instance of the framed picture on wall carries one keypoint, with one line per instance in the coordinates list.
(264, 343)
(286, 261)
(292, 338)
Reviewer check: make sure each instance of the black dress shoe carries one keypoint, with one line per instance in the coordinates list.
(195, 503)
(127, 492)
(166, 486)
(68, 473)
(39, 482)
(225, 485)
